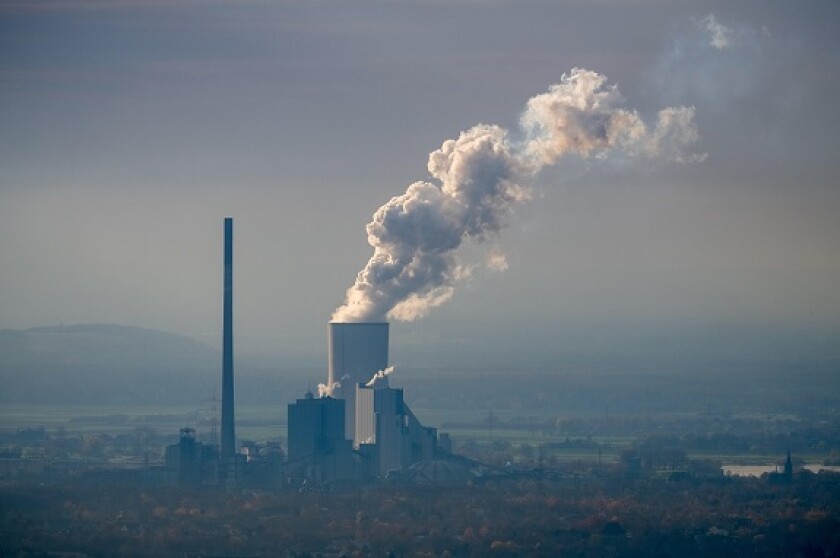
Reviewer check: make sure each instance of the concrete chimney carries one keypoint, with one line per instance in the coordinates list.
(228, 448)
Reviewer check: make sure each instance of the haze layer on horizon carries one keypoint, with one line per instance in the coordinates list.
(128, 130)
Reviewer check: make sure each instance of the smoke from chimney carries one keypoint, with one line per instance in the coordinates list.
(416, 236)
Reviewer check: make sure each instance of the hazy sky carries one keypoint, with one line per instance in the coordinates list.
(129, 129)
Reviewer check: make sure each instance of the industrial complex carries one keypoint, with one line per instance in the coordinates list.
(357, 428)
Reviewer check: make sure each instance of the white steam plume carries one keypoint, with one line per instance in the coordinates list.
(380, 378)
(325, 390)
(331, 390)
(416, 236)
(720, 36)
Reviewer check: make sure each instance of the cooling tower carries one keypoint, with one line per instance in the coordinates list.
(356, 352)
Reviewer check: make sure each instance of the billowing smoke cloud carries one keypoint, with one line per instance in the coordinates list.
(582, 115)
(416, 236)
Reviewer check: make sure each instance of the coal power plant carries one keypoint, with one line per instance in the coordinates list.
(417, 239)
(356, 429)
(360, 427)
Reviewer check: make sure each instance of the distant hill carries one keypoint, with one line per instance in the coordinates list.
(103, 364)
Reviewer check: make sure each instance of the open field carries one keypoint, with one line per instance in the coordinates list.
(526, 435)
(259, 422)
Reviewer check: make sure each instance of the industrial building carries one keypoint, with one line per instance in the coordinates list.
(364, 429)
(318, 448)
(194, 463)
(356, 351)
(390, 435)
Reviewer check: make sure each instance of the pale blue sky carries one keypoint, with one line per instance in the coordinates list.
(128, 130)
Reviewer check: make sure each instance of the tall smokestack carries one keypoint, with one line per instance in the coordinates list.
(228, 448)
(357, 351)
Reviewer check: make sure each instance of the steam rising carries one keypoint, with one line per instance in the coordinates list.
(416, 236)
(325, 390)
(380, 379)
(332, 390)
(720, 36)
